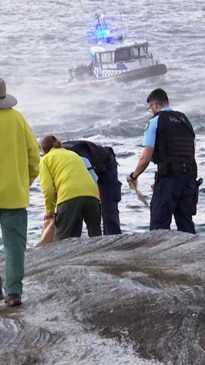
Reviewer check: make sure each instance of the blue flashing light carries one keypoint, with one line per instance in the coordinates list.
(102, 32)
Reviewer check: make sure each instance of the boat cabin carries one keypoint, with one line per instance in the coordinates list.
(126, 53)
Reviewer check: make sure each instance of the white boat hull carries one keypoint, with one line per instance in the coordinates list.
(128, 76)
(142, 73)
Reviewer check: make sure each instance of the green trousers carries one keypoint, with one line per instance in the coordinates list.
(68, 213)
(14, 234)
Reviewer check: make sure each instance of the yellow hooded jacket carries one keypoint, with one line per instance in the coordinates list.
(64, 176)
(19, 159)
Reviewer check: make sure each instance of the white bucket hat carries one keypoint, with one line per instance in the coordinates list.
(6, 100)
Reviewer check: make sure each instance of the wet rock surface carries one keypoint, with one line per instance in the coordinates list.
(124, 299)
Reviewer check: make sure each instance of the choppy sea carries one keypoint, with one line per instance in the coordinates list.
(40, 40)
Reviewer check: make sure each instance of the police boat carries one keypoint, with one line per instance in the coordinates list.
(114, 58)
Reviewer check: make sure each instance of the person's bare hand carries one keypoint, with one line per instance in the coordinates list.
(47, 216)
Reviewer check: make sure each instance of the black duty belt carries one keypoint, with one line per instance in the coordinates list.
(174, 169)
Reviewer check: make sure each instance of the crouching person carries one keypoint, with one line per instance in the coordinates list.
(68, 189)
(103, 161)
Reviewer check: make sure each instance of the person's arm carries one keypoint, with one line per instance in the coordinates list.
(148, 150)
(33, 153)
(90, 168)
(48, 189)
(142, 164)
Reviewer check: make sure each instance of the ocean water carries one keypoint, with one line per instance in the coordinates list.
(41, 40)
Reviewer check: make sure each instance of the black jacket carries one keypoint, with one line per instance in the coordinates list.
(100, 157)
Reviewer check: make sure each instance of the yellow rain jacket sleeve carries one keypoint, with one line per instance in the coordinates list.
(33, 154)
(64, 176)
(19, 159)
(48, 188)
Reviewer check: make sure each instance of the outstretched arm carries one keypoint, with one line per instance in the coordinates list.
(142, 163)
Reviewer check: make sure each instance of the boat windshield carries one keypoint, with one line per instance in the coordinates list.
(123, 54)
(141, 51)
(130, 53)
(107, 57)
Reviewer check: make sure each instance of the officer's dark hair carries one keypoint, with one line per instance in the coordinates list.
(158, 95)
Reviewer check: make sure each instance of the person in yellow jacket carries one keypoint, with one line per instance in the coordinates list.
(69, 190)
(20, 157)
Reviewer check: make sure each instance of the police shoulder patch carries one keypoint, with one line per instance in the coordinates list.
(147, 125)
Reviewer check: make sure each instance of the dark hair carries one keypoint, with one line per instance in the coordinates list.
(50, 141)
(158, 95)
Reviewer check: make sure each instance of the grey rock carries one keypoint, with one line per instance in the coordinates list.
(124, 299)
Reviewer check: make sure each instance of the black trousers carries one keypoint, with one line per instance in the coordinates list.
(110, 195)
(174, 196)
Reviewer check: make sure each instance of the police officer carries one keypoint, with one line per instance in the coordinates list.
(169, 142)
(105, 165)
